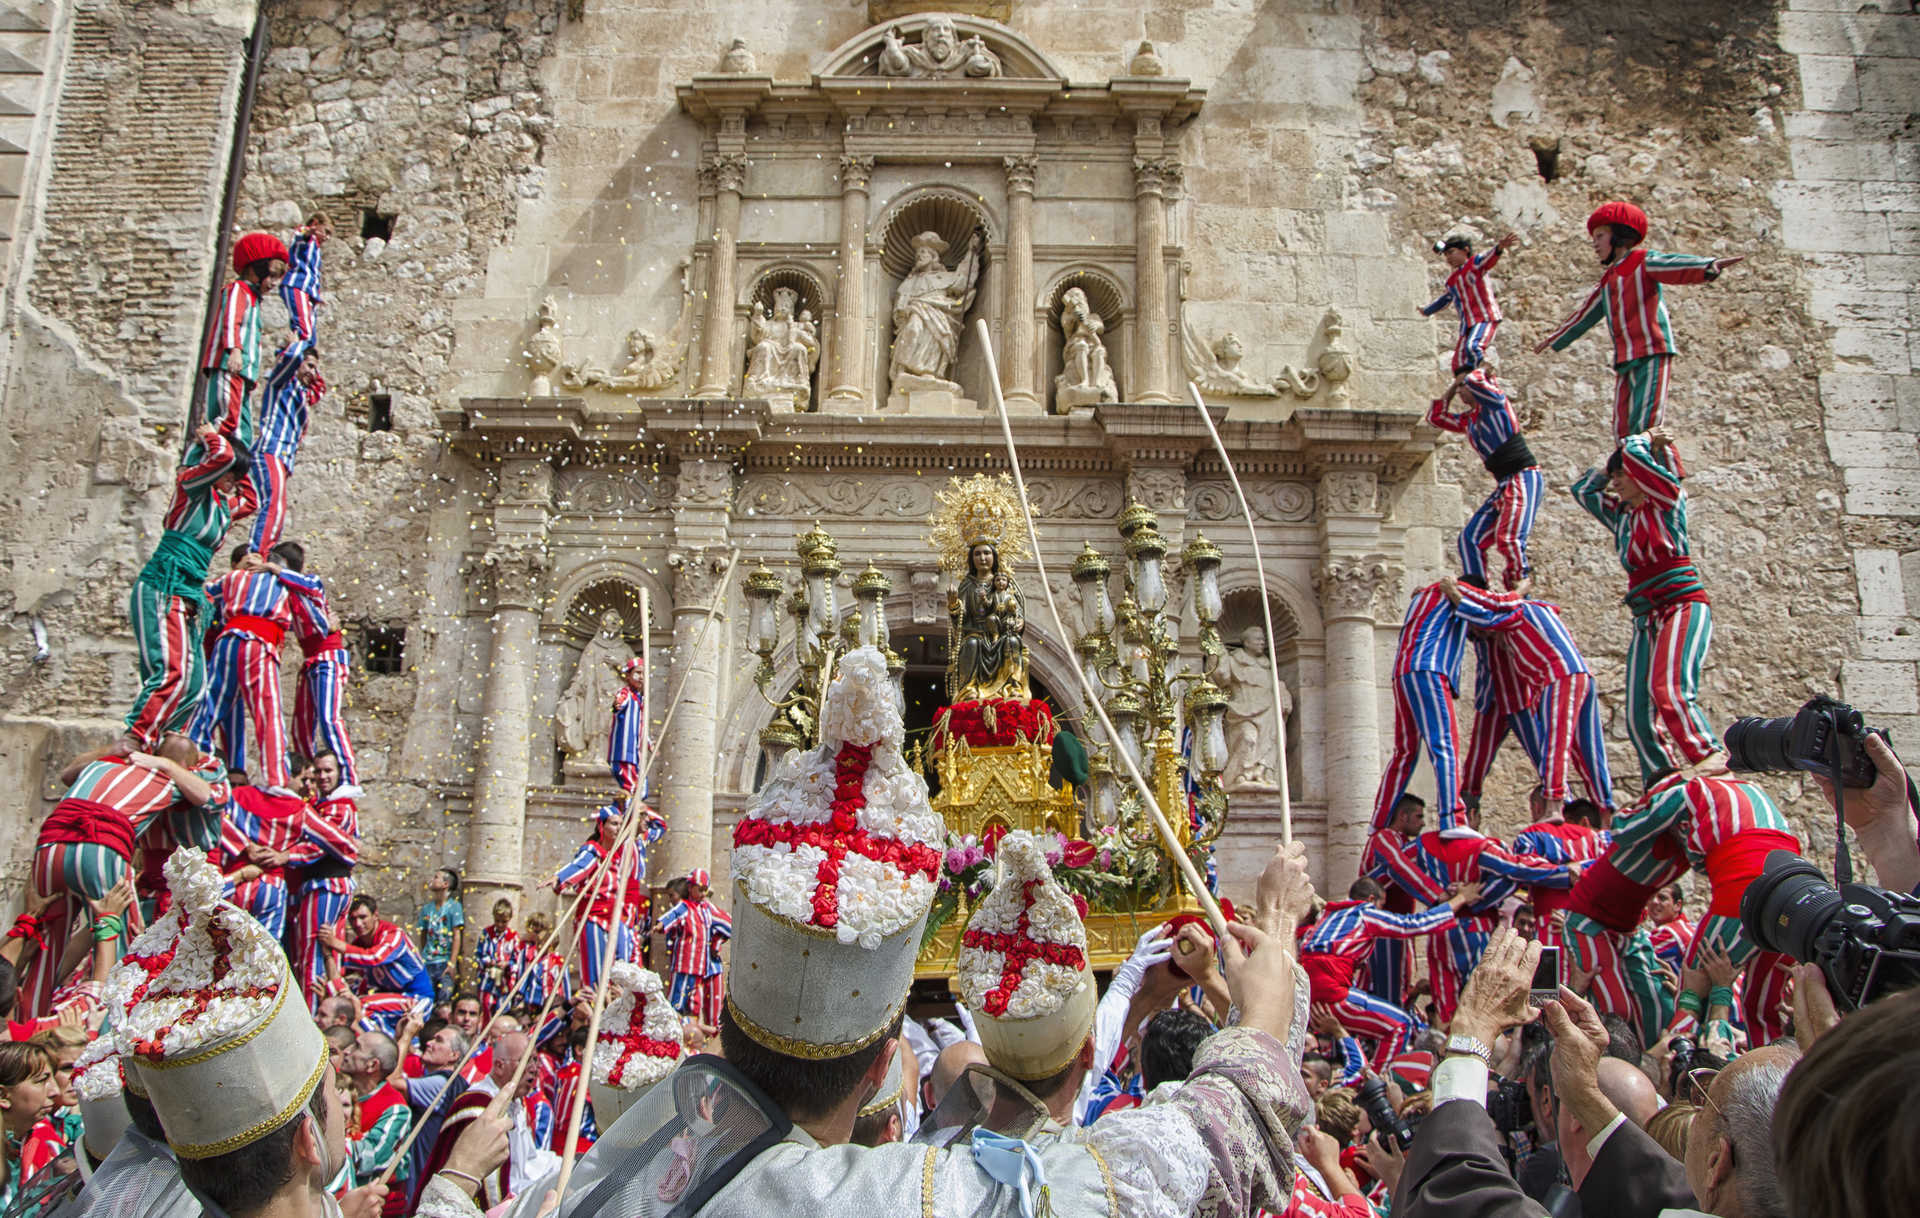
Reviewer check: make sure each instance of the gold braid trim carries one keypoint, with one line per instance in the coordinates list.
(1106, 1176)
(806, 1050)
(261, 1129)
(926, 1185)
(207, 1055)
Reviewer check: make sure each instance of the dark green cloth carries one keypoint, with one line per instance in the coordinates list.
(1069, 760)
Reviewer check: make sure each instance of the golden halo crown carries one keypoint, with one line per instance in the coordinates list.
(974, 511)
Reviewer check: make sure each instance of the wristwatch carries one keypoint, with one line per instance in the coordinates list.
(1471, 1046)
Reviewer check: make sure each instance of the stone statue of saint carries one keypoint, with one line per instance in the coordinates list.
(1086, 378)
(988, 655)
(927, 312)
(781, 353)
(941, 54)
(1253, 722)
(544, 351)
(580, 720)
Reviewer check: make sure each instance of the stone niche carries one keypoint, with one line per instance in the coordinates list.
(951, 125)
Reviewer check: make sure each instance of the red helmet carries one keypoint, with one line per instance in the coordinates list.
(256, 246)
(1617, 212)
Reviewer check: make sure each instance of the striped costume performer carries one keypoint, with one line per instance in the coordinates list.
(1725, 826)
(541, 974)
(328, 851)
(1538, 673)
(1629, 297)
(394, 973)
(583, 869)
(1557, 841)
(695, 930)
(169, 595)
(624, 735)
(243, 671)
(1602, 930)
(87, 844)
(1504, 522)
(259, 818)
(1426, 672)
(1333, 948)
(1492, 720)
(1672, 616)
(496, 954)
(1671, 939)
(1470, 293)
(283, 425)
(231, 360)
(1388, 967)
(318, 700)
(1433, 863)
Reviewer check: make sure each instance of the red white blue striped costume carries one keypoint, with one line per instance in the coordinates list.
(1672, 614)
(1557, 841)
(596, 926)
(695, 930)
(496, 953)
(87, 844)
(1491, 723)
(1469, 291)
(624, 735)
(541, 974)
(395, 975)
(1628, 296)
(169, 595)
(243, 671)
(1505, 520)
(1334, 948)
(317, 723)
(1426, 672)
(328, 850)
(1435, 862)
(1537, 671)
(1387, 857)
(284, 410)
(231, 360)
(1671, 939)
(278, 822)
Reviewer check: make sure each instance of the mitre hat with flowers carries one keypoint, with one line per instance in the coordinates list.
(103, 1105)
(639, 1041)
(207, 1016)
(1023, 966)
(833, 873)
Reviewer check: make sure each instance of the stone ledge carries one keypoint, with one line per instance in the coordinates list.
(1886, 687)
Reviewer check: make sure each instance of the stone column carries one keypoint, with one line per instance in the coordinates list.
(850, 338)
(716, 364)
(1150, 281)
(687, 760)
(514, 571)
(1348, 588)
(1017, 360)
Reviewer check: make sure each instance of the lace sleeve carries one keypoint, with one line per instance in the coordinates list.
(442, 1198)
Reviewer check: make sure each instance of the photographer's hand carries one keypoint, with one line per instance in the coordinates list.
(1883, 819)
(1384, 1158)
(1495, 998)
(1814, 1014)
(1579, 1042)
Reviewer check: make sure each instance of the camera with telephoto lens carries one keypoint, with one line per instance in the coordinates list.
(1866, 940)
(1824, 737)
(1373, 1101)
(1685, 1055)
(1509, 1106)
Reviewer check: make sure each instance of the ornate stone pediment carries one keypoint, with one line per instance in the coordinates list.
(940, 46)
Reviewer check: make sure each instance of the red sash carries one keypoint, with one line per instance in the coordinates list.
(1610, 898)
(329, 642)
(265, 629)
(78, 821)
(1733, 864)
(1329, 978)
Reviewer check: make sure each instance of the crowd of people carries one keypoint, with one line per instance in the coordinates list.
(205, 1013)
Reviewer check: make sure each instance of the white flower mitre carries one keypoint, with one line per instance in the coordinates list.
(200, 975)
(1025, 887)
(863, 705)
(639, 1007)
(96, 1072)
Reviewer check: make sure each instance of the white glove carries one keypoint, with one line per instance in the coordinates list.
(1155, 947)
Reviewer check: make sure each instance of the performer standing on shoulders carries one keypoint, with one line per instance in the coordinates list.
(1505, 520)
(231, 360)
(1471, 294)
(629, 726)
(317, 703)
(1426, 672)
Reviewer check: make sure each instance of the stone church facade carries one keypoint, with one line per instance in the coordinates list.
(615, 287)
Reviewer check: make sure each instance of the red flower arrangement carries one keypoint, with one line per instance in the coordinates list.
(994, 723)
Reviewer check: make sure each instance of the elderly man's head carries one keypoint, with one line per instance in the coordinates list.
(1730, 1147)
(373, 1058)
(444, 1049)
(949, 1066)
(507, 1052)
(336, 1012)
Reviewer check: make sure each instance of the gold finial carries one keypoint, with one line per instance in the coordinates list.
(763, 581)
(1090, 562)
(819, 552)
(873, 579)
(1138, 515)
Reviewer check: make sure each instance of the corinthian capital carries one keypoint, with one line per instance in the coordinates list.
(1356, 586)
(1150, 174)
(729, 172)
(696, 575)
(1020, 172)
(855, 172)
(514, 574)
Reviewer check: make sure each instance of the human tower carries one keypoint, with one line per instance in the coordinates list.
(1590, 867)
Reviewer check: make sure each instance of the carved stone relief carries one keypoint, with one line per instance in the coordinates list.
(544, 351)
(782, 351)
(599, 492)
(580, 717)
(703, 484)
(1086, 378)
(1351, 586)
(941, 54)
(773, 495)
(696, 575)
(1348, 493)
(652, 362)
(1163, 490)
(515, 574)
(1287, 501)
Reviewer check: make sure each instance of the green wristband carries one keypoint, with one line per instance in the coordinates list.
(1720, 996)
(1691, 1003)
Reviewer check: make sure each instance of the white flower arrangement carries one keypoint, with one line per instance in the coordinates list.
(640, 987)
(240, 997)
(1052, 920)
(96, 1072)
(873, 899)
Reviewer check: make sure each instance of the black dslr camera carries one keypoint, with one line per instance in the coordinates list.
(1866, 940)
(1509, 1106)
(1373, 1101)
(1824, 737)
